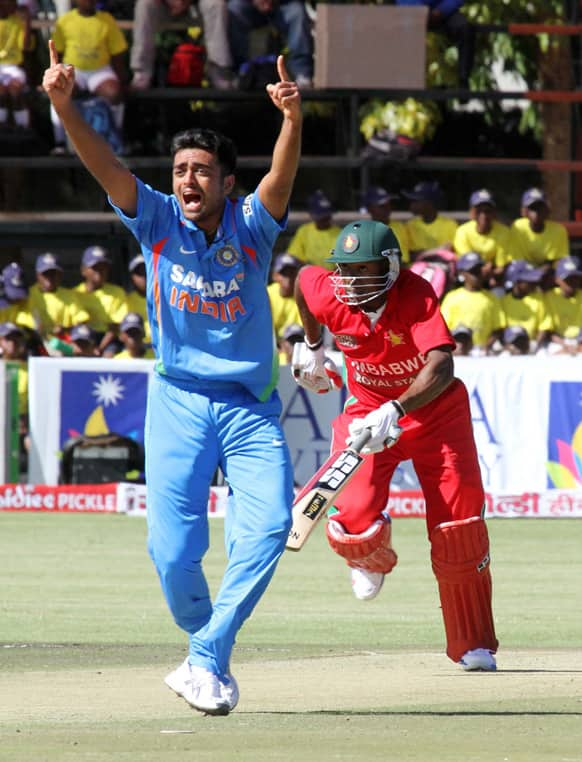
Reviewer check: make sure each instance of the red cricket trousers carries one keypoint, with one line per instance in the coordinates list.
(438, 438)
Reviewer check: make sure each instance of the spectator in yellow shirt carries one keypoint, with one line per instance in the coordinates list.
(533, 236)
(472, 306)
(14, 41)
(14, 299)
(136, 297)
(104, 301)
(564, 303)
(282, 293)
(378, 204)
(523, 304)
(428, 229)
(132, 333)
(92, 42)
(313, 241)
(485, 235)
(55, 309)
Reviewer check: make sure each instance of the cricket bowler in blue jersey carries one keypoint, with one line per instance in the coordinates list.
(213, 402)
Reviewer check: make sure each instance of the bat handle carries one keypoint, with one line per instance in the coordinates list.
(361, 440)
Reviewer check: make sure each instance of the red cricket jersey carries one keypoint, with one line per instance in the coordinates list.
(380, 360)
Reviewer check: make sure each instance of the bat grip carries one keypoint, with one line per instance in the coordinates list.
(360, 441)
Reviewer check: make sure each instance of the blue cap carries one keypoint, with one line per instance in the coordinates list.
(462, 330)
(286, 260)
(482, 196)
(7, 328)
(534, 196)
(81, 332)
(521, 270)
(293, 331)
(568, 266)
(377, 196)
(46, 262)
(469, 260)
(319, 206)
(15, 287)
(425, 191)
(132, 320)
(136, 262)
(94, 255)
(514, 332)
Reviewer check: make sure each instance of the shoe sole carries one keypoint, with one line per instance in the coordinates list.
(219, 711)
(478, 669)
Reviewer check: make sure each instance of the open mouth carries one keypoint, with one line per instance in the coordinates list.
(192, 200)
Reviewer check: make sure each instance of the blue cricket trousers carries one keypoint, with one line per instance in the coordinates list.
(188, 434)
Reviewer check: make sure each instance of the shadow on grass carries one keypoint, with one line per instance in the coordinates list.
(400, 713)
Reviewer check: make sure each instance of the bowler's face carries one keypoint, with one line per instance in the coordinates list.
(200, 187)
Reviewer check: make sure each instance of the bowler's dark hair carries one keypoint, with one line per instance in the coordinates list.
(208, 140)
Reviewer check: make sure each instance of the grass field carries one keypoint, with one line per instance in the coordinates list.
(85, 641)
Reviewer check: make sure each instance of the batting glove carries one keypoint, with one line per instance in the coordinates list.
(383, 423)
(313, 370)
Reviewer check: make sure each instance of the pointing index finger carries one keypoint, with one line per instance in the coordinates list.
(282, 70)
(54, 59)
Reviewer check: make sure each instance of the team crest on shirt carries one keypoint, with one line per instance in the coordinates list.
(343, 339)
(227, 256)
(350, 243)
(396, 339)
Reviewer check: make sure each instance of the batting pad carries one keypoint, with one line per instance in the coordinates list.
(370, 550)
(460, 562)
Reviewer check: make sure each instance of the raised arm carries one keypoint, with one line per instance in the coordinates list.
(275, 188)
(92, 149)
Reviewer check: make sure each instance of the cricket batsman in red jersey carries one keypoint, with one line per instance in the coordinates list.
(399, 365)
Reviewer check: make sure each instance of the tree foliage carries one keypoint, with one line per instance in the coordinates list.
(518, 54)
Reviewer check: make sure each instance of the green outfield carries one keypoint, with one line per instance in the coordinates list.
(85, 641)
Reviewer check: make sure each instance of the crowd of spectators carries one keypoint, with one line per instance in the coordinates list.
(504, 289)
(206, 43)
(94, 318)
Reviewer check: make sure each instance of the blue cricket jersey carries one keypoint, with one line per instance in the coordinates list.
(208, 305)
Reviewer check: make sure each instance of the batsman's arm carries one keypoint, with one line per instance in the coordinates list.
(311, 326)
(433, 379)
(95, 153)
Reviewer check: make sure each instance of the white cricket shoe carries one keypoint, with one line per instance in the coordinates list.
(229, 690)
(365, 584)
(480, 659)
(199, 687)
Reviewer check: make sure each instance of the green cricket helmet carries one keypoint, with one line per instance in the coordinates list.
(365, 241)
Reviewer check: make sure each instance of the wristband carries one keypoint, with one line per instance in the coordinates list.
(399, 407)
(316, 344)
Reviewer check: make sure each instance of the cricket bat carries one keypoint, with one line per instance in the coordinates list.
(313, 501)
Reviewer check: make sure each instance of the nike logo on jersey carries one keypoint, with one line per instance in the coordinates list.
(185, 251)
